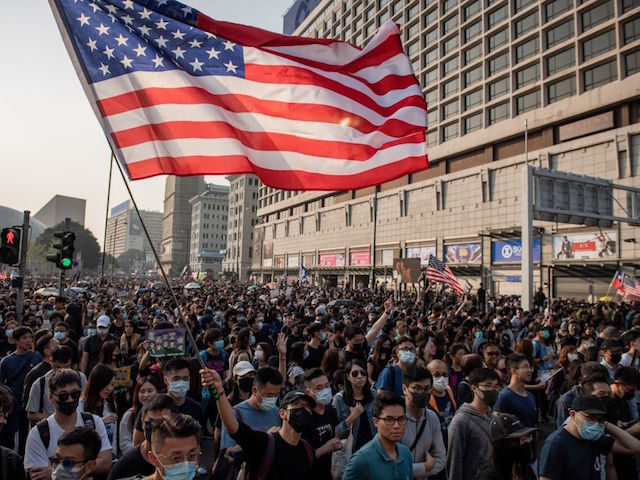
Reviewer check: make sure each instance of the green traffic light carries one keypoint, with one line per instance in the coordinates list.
(66, 262)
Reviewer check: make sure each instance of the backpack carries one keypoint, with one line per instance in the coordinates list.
(271, 451)
(9, 463)
(45, 434)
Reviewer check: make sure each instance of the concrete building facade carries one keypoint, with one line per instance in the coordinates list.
(565, 71)
(243, 207)
(176, 222)
(61, 207)
(209, 217)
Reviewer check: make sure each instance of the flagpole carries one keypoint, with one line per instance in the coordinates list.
(106, 217)
(375, 225)
(215, 393)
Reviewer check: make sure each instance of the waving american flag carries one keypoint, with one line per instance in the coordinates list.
(179, 93)
(439, 272)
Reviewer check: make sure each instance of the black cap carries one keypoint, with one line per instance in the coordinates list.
(612, 345)
(506, 425)
(294, 395)
(589, 404)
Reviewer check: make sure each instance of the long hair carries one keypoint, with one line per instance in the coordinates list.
(377, 350)
(136, 405)
(106, 352)
(330, 362)
(99, 378)
(505, 457)
(348, 389)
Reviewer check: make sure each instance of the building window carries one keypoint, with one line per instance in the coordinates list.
(632, 63)
(430, 17)
(631, 30)
(472, 76)
(450, 45)
(629, 4)
(413, 30)
(449, 132)
(560, 61)
(600, 75)
(449, 24)
(529, 101)
(432, 138)
(431, 37)
(472, 53)
(498, 63)
(450, 66)
(413, 48)
(556, 8)
(396, 7)
(431, 96)
(520, 4)
(448, 5)
(472, 32)
(499, 88)
(498, 40)
(561, 89)
(430, 77)
(471, 9)
(450, 88)
(430, 57)
(412, 12)
(432, 117)
(526, 24)
(497, 16)
(474, 122)
(449, 110)
(597, 15)
(528, 75)
(599, 44)
(498, 113)
(560, 33)
(472, 99)
(526, 49)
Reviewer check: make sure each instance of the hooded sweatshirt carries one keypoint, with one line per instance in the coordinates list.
(469, 443)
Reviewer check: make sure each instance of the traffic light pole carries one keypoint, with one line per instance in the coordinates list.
(23, 265)
(67, 225)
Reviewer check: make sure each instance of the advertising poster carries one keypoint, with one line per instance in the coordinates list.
(279, 261)
(510, 251)
(407, 269)
(467, 253)
(387, 257)
(422, 253)
(331, 260)
(166, 343)
(359, 258)
(584, 246)
(292, 261)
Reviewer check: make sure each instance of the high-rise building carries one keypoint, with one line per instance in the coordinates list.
(209, 216)
(61, 207)
(243, 205)
(176, 223)
(552, 82)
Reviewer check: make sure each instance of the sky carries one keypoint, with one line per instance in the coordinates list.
(50, 140)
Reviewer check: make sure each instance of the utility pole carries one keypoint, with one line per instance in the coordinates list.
(22, 266)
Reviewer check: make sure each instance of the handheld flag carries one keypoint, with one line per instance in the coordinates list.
(303, 274)
(617, 281)
(179, 93)
(441, 273)
(630, 289)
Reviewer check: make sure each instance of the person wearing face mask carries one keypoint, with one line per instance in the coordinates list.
(243, 376)
(135, 460)
(442, 400)
(282, 455)
(390, 378)
(175, 448)
(10, 461)
(612, 354)
(321, 433)
(64, 392)
(515, 399)
(314, 350)
(177, 378)
(422, 434)
(215, 357)
(93, 344)
(625, 383)
(262, 354)
(469, 442)
(61, 332)
(574, 451)
(632, 357)
(513, 450)
(541, 349)
(76, 454)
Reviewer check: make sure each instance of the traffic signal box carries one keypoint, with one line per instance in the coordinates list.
(10, 246)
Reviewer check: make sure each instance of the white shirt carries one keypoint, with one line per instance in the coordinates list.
(33, 404)
(35, 455)
(625, 361)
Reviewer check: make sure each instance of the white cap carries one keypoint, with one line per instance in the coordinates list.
(242, 368)
(103, 321)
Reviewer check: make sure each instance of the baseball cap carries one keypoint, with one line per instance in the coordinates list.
(103, 321)
(294, 395)
(589, 404)
(242, 368)
(612, 345)
(506, 425)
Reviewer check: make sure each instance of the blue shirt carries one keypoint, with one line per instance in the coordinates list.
(14, 369)
(372, 462)
(256, 419)
(386, 380)
(522, 407)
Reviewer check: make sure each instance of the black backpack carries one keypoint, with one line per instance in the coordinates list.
(45, 434)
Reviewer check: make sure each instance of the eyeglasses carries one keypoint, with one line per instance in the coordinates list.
(493, 354)
(64, 396)
(68, 464)
(358, 373)
(420, 390)
(192, 456)
(489, 387)
(391, 420)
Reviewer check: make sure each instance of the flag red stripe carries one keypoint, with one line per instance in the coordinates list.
(266, 141)
(243, 103)
(291, 180)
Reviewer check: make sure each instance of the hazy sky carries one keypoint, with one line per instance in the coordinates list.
(50, 140)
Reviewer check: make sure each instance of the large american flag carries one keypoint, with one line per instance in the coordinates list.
(179, 93)
(439, 272)
(630, 289)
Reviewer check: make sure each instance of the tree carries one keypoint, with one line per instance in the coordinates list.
(85, 243)
(131, 259)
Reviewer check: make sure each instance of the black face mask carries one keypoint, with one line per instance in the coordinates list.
(490, 397)
(420, 400)
(615, 357)
(67, 408)
(245, 384)
(148, 428)
(299, 419)
(525, 454)
(357, 347)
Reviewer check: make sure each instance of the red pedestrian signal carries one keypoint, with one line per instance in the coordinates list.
(11, 237)
(10, 246)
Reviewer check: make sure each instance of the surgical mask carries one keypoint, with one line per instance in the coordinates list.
(407, 357)
(615, 357)
(259, 355)
(124, 315)
(323, 337)
(9, 332)
(525, 453)
(572, 357)
(218, 344)
(440, 383)
(478, 334)
(489, 397)
(420, 400)
(260, 325)
(179, 471)
(63, 473)
(148, 428)
(323, 397)
(591, 431)
(253, 340)
(268, 403)
(91, 331)
(299, 419)
(245, 384)
(67, 408)
(179, 388)
(60, 335)
(545, 334)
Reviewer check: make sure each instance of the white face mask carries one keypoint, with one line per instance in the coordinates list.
(572, 357)
(441, 383)
(259, 355)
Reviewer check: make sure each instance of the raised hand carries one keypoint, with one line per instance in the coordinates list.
(282, 344)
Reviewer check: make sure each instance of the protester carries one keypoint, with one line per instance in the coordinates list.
(10, 462)
(175, 447)
(515, 399)
(442, 400)
(76, 454)
(146, 389)
(390, 379)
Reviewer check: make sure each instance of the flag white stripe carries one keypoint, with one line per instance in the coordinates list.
(393, 66)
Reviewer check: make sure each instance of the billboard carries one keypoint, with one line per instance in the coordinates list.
(292, 261)
(510, 251)
(267, 256)
(331, 260)
(297, 13)
(135, 227)
(584, 246)
(467, 253)
(422, 253)
(387, 257)
(407, 270)
(360, 258)
(121, 207)
(279, 261)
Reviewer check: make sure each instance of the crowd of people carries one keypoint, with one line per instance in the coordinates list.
(311, 382)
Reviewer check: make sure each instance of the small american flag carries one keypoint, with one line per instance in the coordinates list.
(630, 289)
(441, 273)
(179, 93)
